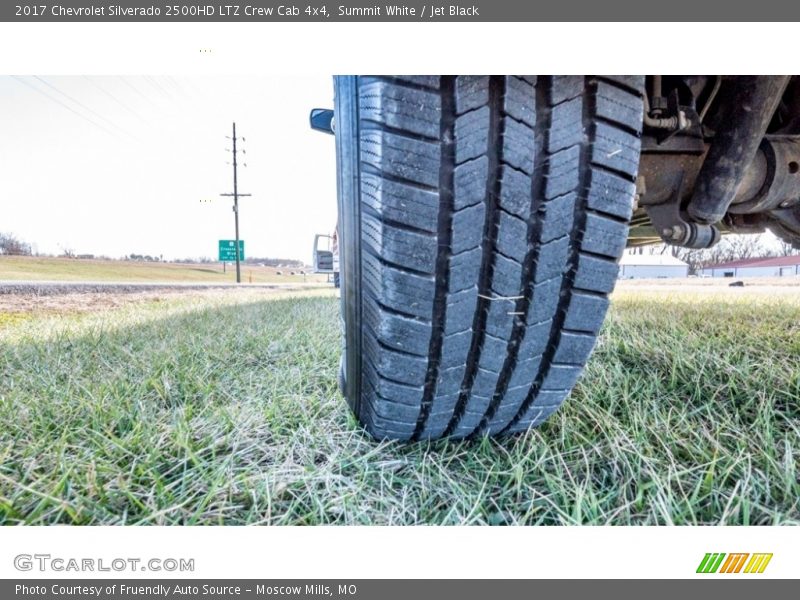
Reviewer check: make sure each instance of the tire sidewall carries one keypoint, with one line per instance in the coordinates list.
(348, 192)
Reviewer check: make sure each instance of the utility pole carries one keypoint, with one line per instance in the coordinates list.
(236, 195)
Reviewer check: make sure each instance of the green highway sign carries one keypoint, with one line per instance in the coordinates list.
(227, 252)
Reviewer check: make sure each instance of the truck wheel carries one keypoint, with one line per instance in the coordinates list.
(482, 220)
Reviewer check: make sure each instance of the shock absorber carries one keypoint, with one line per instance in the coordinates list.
(749, 111)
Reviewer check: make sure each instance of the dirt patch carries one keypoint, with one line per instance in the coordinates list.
(14, 305)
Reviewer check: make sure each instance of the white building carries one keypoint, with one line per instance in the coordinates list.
(651, 266)
(778, 266)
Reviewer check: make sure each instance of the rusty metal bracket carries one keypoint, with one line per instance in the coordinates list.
(676, 230)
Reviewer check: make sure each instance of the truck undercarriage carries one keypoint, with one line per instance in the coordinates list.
(720, 154)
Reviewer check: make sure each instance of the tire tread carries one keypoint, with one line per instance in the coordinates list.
(494, 212)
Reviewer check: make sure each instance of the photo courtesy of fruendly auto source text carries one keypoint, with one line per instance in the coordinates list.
(268, 265)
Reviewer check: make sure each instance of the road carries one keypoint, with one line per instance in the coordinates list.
(50, 288)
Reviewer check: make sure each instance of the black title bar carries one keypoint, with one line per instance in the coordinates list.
(405, 11)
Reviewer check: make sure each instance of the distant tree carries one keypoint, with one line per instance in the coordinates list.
(691, 256)
(737, 247)
(13, 246)
(730, 248)
(275, 262)
(786, 249)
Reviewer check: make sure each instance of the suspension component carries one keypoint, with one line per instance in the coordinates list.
(677, 230)
(735, 144)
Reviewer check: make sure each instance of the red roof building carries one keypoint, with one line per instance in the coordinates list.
(776, 266)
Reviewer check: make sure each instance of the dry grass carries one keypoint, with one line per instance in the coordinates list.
(25, 268)
(223, 409)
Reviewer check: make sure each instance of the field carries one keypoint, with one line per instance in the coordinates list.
(24, 268)
(221, 407)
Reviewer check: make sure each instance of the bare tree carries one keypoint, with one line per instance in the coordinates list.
(786, 249)
(737, 247)
(12, 245)
(730, 248)
(67, 251)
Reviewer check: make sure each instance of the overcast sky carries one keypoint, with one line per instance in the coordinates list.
(120, 165)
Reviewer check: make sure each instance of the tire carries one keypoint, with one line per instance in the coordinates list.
(482, 221)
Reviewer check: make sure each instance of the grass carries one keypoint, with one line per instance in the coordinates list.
(26, 268)
(223, 409)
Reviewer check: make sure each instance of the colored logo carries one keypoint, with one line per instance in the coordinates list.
(719, 562)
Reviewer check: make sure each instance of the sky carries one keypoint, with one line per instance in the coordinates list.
(120, 165)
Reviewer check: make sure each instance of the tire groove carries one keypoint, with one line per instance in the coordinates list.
(618, 124)
(609, 216)
(508, 165)
(520, 122)
(588, 292)
(576, 237)
(491, 199)
(599, 256)
(375, 125)
(470, 110)
(395, 224)
(540, 173)
(635, 92)
(371, 169)
(612, 171)
(368, 249)
(370, 363)
(445, 231)
(395, 312)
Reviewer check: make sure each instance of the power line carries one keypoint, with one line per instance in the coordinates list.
(138, 91)
(86, 108)
(114, 98)
(69, 108)
(179, 87)
(152, 81)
